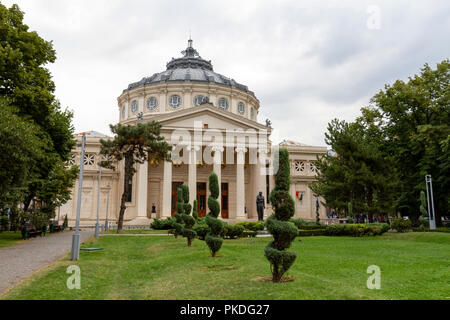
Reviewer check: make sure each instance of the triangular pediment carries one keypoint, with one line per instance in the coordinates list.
(207, 115)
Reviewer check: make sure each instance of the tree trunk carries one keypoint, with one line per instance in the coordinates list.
(189, 242)
(127, 177)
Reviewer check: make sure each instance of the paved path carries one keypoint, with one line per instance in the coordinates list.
(19, 261)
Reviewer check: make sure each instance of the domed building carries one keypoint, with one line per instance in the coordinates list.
(211, 122)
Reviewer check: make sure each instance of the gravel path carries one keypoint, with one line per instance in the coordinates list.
(19, 261)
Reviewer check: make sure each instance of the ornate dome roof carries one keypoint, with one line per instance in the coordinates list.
(190, 67)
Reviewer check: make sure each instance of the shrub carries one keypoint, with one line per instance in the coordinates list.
(313, 227)
(283, 231)
(162, 224)
(308, 233)
(250, 234)
(356, 230)
(213, 239)
(4, 222)
(300, 223)
(201, 229)
(233, 231)
(401, 225)
(251, 225)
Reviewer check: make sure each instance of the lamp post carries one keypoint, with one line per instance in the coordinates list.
(107, 205)
(431, 216)
(98, 202)
(75, 254)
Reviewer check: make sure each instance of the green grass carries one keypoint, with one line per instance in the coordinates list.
(138, 231)
(413, 266)
(9, 238)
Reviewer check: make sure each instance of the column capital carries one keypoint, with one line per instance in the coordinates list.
(241, 149)
(217, 149)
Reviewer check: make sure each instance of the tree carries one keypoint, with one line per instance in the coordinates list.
(213, 238)
(188, 220)
(134, 145)
(283, 231)
(194, 210)
(28, 86)
(18, 147)
(357, 172)
(414, 120)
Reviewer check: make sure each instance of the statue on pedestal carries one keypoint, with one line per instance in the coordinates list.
(260, 206)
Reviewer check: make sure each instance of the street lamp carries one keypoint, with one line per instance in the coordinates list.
(107, 205)
(98, 202)
(75, 254)
(431, 216)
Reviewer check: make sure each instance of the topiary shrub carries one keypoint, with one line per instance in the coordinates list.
(283, 231)
(300, 223)
(178, 223)
(194, 210)
(201, 229)
(188, 221)
(357, 230)
(401, 225)
(213, 239)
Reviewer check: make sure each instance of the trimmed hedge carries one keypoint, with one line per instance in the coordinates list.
(300, 223)
(309, 233)
(233, 231)
(162, 224)
(356, 230)
(313, 227)
(251, 225)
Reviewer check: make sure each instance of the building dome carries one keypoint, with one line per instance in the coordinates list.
(190, 67)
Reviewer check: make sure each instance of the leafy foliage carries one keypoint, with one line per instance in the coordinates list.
(357, 230)
(401, 225)
(213, 238)
(188, 220)
(26, 86)
(283, 231)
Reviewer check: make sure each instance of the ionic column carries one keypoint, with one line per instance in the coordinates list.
(240, 183)
(167, 190)
(192, 175)
(142, 191)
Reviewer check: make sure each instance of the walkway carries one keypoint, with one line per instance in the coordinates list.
(19, 261)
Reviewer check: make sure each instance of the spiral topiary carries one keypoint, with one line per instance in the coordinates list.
(283, 231)
(213, 238)
(188, 220)
(178, 223)
(194, 210)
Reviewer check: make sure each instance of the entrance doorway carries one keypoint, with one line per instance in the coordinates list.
(224, 202)
(175, 186)
(201, 199)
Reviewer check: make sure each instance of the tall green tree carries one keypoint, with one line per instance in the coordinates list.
(283, 231)
(414, 119)
(356, 172)
(133, 145)
(27, 85)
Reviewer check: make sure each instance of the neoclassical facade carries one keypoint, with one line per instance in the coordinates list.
(211, 122)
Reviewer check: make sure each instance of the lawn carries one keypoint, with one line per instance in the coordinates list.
(8, 238)
(413, 266)
(139, 231)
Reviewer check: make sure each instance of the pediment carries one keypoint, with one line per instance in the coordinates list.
(211, 116)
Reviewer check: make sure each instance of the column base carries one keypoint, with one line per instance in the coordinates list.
(139, 221)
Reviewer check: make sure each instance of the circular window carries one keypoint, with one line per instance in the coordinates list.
(175, 101)
(134, 106)
(241, 108)
(123, 111)
(198, 100)
(152, 103)
(252, 113)
(223, 103)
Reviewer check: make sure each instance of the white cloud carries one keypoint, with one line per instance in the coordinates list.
(307, 62)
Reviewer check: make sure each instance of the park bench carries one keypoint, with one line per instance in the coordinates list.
(31, 231)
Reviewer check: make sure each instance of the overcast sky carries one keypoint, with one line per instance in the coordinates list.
(307, 61)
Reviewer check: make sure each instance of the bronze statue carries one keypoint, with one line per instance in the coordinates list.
(260, 206)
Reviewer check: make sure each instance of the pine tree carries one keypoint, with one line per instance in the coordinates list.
(188, 220)
(278, 224)
(213, 238)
